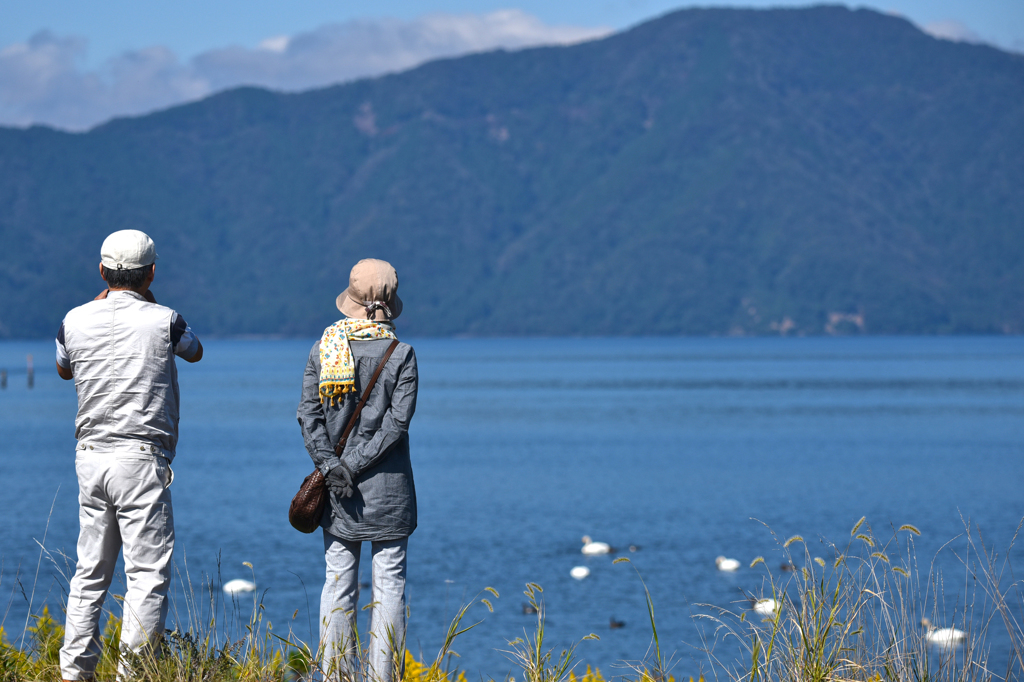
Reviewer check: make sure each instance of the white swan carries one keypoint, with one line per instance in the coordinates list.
(766, 607)
(579, 572)
(237, 586)
(591, 547)
(942, 637)
(726, 564)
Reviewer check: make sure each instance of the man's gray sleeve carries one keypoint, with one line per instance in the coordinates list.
(62, 352)
(395, 424)
(184, 342)
(311, 417)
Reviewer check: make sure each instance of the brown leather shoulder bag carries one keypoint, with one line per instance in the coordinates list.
(307, 507)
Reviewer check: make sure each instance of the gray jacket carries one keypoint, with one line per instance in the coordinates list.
(384, 505)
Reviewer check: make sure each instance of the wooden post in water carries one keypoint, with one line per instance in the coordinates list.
(31, 372)
(3, 378)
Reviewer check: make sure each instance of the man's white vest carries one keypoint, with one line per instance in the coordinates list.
(123, 362)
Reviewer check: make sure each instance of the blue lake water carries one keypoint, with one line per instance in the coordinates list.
(687, 448)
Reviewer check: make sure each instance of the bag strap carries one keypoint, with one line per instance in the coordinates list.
(340, 447)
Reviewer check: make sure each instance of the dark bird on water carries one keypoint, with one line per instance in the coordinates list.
(529, 609)
(616, 624)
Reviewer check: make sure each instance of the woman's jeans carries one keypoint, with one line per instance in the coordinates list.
(339, 607)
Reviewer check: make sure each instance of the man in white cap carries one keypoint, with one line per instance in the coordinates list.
(119, 349)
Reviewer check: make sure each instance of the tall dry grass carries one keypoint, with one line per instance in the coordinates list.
(856, 612)
(847, 612)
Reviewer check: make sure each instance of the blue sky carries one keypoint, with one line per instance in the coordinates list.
(73, 64)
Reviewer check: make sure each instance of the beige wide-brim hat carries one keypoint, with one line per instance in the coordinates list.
(371, 282)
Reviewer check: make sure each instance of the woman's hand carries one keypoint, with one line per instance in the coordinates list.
(340, 480)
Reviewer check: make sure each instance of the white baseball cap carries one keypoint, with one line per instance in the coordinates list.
(127, 250)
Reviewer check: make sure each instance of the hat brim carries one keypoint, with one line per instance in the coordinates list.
(350, 308)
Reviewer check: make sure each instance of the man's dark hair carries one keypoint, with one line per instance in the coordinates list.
(126, 279)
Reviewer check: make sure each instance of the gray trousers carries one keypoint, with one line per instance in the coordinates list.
(123, 502)
(339, 601)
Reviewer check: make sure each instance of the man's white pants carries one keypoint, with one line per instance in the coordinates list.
(123, 501)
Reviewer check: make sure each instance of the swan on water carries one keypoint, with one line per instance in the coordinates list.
(237, 586)
(726, 564)
(591, 547)
(766, 607)
(942, 637)
(579, 572)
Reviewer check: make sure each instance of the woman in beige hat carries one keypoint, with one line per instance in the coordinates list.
(372, 496)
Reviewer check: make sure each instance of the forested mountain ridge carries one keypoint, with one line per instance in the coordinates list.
(790, 171)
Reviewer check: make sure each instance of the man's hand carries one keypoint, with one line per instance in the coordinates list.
(339, 480)
(199, 353)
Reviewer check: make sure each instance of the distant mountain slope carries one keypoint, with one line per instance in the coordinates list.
(708, 172)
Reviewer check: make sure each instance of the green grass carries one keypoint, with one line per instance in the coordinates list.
(849, 611)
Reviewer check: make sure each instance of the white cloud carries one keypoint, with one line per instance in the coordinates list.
(276, 44)
(951, 30)
(339, 52)
(43, 81)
